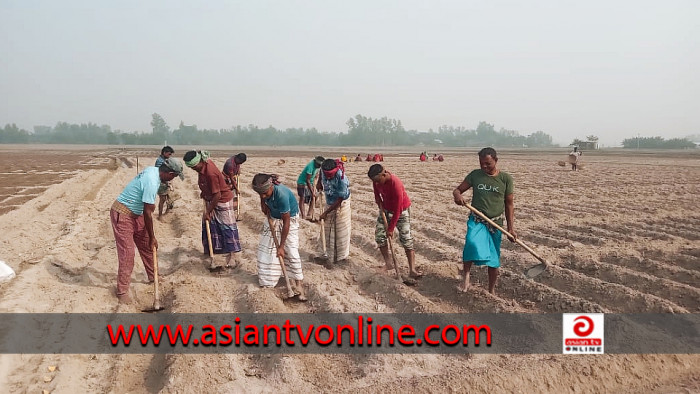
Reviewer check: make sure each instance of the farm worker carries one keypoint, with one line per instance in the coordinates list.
(435, 157)
(218, 210)
(166, 194)
(441, 158)
(305, 182)
(423, 156)
(279, 203)
(390, 195)
(369, 157)
(344, 159)
(132, 221)
(493, 196)
(573, 158)
(232, 169)
(358, 157)
(336, 187)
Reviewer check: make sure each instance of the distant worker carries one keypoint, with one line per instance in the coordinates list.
(440, 158)
(132, 221)
(435, 157)
(344, 159)
(358, 157)
(573, 158)
(369, 157)
(232, 169)
(305, 185)
(423, 156)
(377, 157)
(166, 194)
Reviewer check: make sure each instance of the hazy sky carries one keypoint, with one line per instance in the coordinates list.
(568, 68)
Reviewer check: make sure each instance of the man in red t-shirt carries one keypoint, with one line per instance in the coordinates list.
(390, 195)
(219, 209)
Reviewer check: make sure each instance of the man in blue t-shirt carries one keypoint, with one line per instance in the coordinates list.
(132, 221)
(278, 202)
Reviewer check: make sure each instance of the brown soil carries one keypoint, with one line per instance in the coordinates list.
(623, 235)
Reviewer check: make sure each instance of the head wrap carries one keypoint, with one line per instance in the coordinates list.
(201, 155)
(263, 187)
(319, 160)
(330, 168)
(175, 166)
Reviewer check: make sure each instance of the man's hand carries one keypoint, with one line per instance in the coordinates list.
(390, 233)
(206, 216)
(323, 215)
(280, 252)
(264, 208)
(154, 243)
(512, 232)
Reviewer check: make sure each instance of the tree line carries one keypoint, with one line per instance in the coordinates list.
(362, 131)
(657, 143)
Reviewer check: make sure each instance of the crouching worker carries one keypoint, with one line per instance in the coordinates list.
(132, 221)
(218, 210)
(390, 196)
(278, 202)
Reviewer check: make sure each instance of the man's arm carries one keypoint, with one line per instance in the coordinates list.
(285, 232)
(148, 210)
(510, 215)
(457, 192)
(398, 192)
(212, 205)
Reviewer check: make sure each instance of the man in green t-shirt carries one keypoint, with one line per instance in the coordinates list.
(493, 196)
(305, 183)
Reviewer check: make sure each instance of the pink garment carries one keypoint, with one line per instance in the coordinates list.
(130, 232)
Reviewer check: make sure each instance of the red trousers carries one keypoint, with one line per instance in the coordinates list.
(130, 232)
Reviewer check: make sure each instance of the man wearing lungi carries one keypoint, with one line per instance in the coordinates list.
(132, 221)
(493, 196)
(219, 210)
(336, 186)
(390, 195)
(305, 183)
(279, 203)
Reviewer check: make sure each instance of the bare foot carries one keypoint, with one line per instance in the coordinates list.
(302, 298)
(462, 289)
(416, 274)
(124, 299)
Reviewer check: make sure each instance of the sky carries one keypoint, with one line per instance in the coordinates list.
(614, 69)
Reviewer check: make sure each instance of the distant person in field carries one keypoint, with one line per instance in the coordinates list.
(435, 157)
(218, 209)
(344, 159)
(440, 158)
(369, 157)
(166, 194)
(305, 185)
(232, 169)
(377, 157)
(278, 202)
(358, 157)
(493, 196)
(423, 156)
(390, 195)
(132, 221)
(336, 187)
(573, 158)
